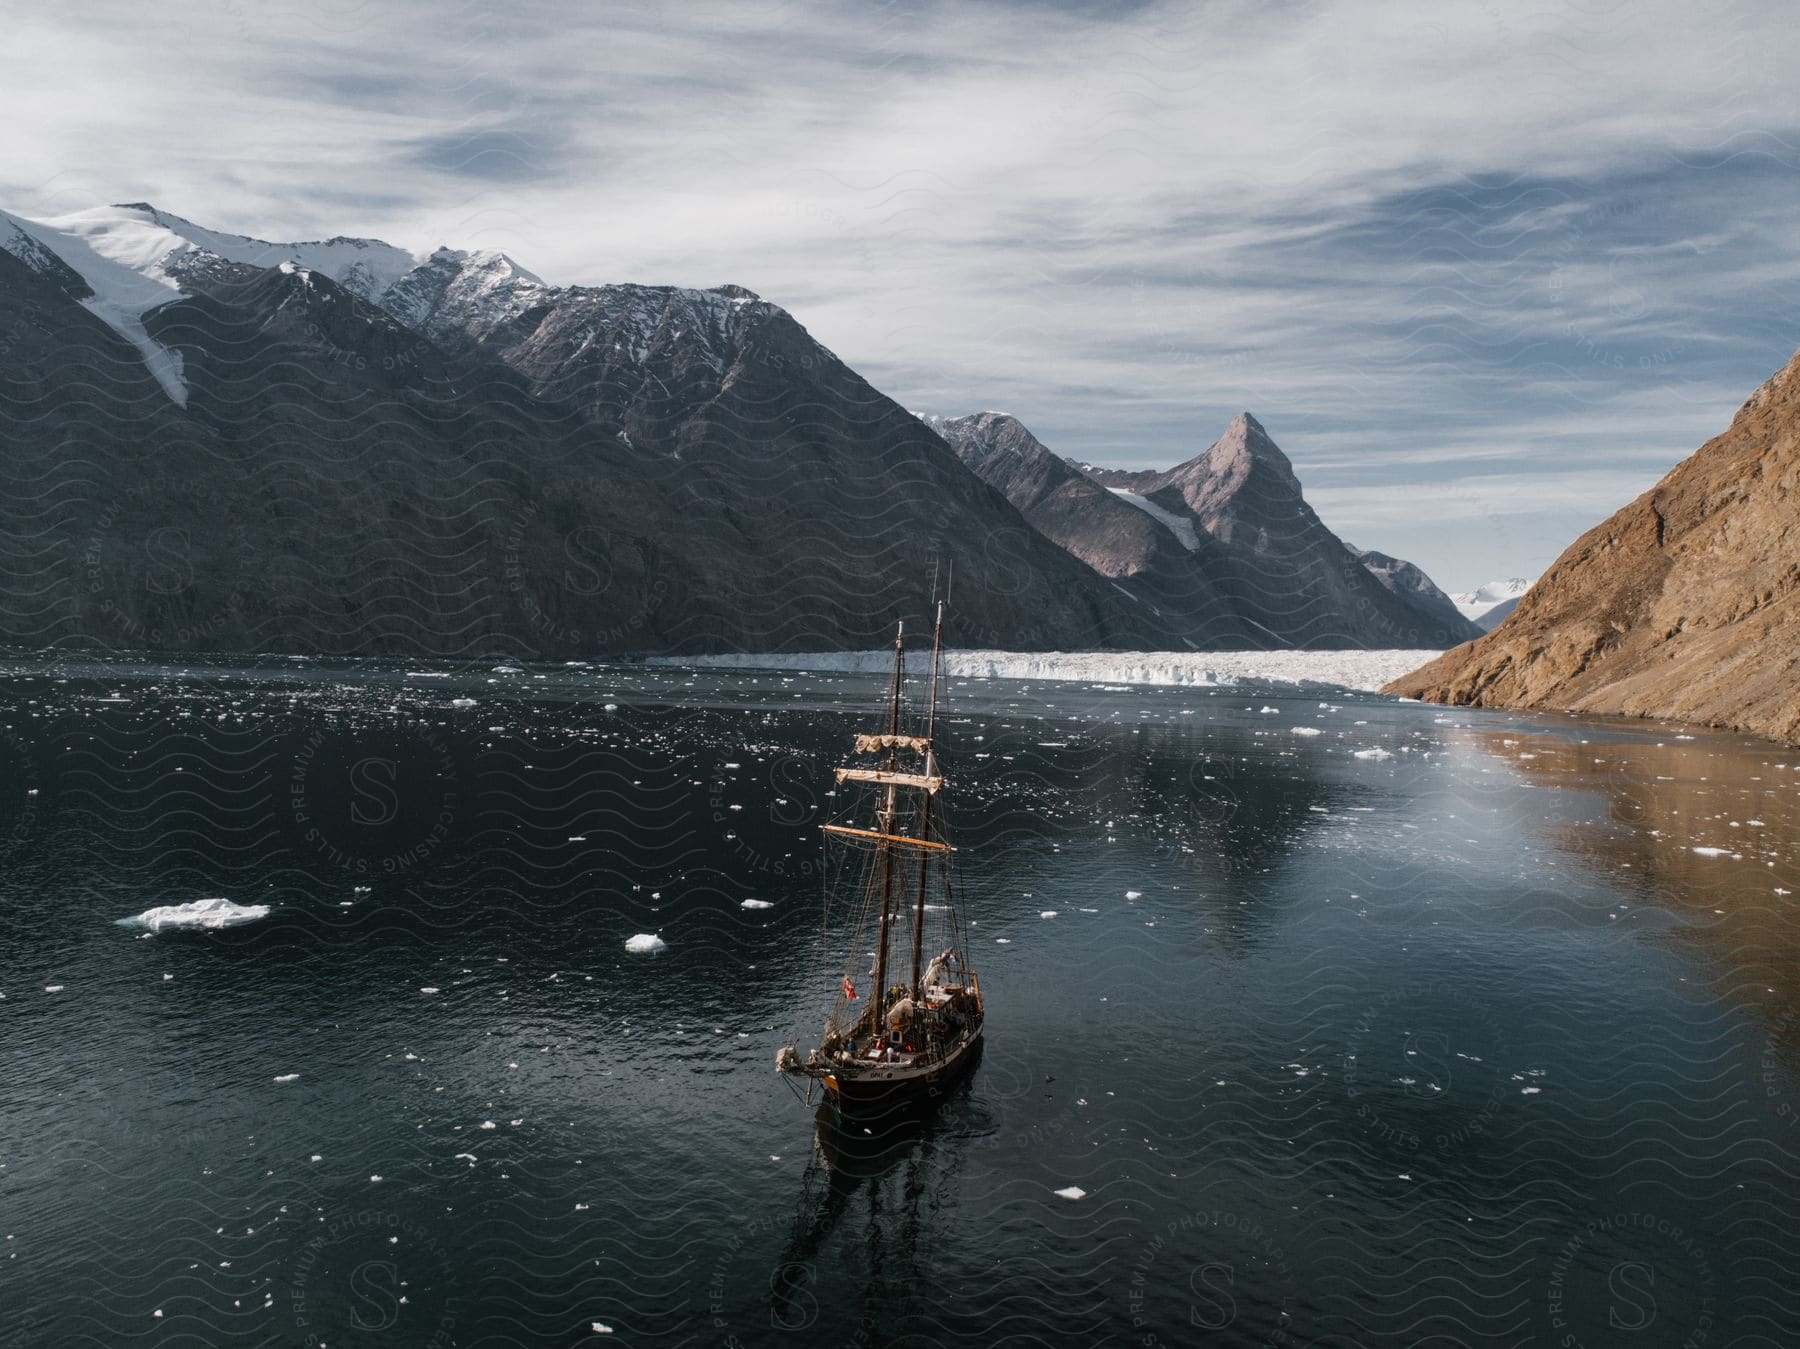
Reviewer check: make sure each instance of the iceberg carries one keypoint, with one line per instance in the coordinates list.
(199, 913)
(645, 943)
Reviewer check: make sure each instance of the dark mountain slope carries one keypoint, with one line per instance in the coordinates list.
(710, 479)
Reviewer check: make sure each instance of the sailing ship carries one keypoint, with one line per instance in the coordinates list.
(904, 1033)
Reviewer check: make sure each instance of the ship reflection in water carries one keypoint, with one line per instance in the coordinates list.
(876, 1174)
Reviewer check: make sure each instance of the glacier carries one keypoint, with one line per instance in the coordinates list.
(1355, 669)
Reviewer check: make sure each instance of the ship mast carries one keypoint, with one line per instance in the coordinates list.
(886, 817)
(937, 644)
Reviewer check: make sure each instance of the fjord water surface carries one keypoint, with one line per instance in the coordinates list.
(1354, 1022)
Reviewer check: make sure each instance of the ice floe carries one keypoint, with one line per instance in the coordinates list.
(199, 913)
(645, 943)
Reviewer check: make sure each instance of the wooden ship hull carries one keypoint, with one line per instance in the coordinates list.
(879, 1087)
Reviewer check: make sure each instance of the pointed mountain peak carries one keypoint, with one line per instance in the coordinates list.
(1245, 444)
(1229, 460)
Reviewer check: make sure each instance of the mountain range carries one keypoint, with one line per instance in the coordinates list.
(1222, 548)
(221, 443)
(1684, 604)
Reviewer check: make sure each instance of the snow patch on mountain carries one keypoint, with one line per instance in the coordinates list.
(117, 260)
(1179, 525)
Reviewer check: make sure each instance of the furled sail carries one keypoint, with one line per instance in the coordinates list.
(872, 744)
(929, 781)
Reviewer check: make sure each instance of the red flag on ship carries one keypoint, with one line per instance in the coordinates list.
(849, 989)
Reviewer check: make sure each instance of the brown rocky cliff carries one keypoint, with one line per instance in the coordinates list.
(1685, 604)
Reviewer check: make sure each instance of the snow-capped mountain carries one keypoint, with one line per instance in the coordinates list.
(135, 258)
(216, 442)
(1486, 605)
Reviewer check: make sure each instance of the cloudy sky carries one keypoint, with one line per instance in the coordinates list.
(1485, 271)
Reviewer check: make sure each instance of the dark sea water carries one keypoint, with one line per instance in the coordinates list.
(1466, 1045)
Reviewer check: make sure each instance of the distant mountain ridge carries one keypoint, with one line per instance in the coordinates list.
(1486, 605)
(1684, 604)
(1222, 546)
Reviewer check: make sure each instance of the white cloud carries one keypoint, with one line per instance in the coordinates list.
(1123, 227)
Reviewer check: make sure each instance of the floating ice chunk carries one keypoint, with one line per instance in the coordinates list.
(288, 1077)
(1266, 711)
(645, 943)
(600, 1327)
(1071, 1192)
(199, 913)
(1134, 894)
(53, 988)
(462, 702)
(756, 904)
(1719, 852)
(428, 989)
(1307, 730)
(1048, 913)
(1376, 753)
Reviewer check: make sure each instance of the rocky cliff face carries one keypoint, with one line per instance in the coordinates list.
(1685, 604)
(1224, 546)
